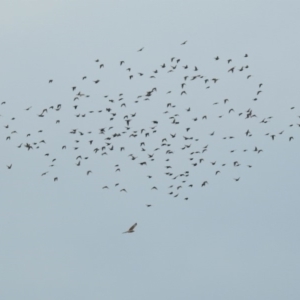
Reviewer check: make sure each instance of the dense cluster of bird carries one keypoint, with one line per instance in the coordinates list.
(163, 130)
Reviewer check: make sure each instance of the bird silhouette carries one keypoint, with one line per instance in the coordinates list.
(131, 229)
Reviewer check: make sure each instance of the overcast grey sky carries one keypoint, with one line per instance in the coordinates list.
(230, 240)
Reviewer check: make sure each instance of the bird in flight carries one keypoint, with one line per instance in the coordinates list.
(131, 229)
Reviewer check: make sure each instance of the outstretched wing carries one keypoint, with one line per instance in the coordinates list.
(132, 227)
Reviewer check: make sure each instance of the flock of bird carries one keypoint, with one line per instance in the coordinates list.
(161, 130)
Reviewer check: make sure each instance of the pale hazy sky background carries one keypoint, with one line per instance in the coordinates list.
(63, 240)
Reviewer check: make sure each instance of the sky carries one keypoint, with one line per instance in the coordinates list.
(230, 239)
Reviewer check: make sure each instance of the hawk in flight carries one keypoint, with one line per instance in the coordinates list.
(131, 229)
